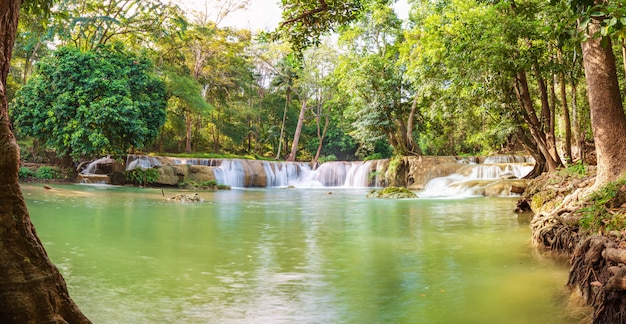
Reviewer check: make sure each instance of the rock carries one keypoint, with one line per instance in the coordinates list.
(201, 173)
(117, 178)
(187, 198)
(392, 193)
(172, 175)
(413, 172)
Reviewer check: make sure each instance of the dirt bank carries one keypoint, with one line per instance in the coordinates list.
(587, 228)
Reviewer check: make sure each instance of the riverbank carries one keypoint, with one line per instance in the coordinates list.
(587, 228)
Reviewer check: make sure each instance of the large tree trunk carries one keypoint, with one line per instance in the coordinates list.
(32, 289)
(607, 113)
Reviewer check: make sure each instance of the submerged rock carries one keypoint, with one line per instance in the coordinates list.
(392, 193)
(187, 198)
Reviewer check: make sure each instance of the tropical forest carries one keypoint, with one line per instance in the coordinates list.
(354, 161)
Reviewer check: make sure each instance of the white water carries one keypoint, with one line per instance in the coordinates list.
(232, 172)
(472, 179)
(141, 161)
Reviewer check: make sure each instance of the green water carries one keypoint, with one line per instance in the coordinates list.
(294, 256)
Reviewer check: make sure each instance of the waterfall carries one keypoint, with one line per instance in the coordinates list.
(476, 179)
(231, 173)
(141, 161)
(279, 174)
(340, 174)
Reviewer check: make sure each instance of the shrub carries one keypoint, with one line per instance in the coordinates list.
(25, 173)
(46, 173)
(211, 185)
(142, 176)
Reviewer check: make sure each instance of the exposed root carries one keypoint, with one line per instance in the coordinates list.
(598, 262)
(601, 280)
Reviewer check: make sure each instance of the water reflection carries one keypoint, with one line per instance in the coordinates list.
(285, 256)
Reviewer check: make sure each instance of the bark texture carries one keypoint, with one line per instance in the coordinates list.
(31, 290)
(607, 113)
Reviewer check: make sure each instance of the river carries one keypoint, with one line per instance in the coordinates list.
(294, 256)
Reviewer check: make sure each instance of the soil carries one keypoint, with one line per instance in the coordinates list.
(597, 258)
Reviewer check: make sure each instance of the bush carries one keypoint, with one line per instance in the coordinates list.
(328, 158)
(210, 185)
(25, 173)
(46, 173)
(142, 176)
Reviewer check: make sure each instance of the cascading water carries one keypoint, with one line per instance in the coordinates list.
(141, 161)
(473, 179)
(281, 174)
(230, 173)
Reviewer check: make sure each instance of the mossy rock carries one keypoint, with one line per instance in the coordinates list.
(187, 198)
(392, 193)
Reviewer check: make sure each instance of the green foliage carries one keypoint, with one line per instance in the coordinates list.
(305, 22)
(46, 173)
(603, 210)
(327, 158)
(578, 169)
(210, 185)
(374, 156)
(91, 103)
(142, 176)
(392, 192)
(25, 173)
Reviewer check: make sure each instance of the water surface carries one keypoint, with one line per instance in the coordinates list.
(294, 256)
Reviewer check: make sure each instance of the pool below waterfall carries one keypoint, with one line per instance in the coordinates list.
(326, 255)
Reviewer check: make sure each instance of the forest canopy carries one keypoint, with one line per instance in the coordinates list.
(349, 79)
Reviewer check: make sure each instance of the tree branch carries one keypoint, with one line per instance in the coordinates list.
(323, 7)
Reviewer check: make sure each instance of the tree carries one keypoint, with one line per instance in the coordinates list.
(91, 23)
(32, 289)
(607, 113)
(92, 103)
(304, 23)
(372, 76)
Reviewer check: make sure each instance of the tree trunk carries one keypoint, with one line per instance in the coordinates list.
(566, 119)
(320, 136)
(547, 119)
(282, 125)
(605, 104)
(188, 125)
(411, 145)
(579, 138)
(534, 125)
(296, 135)
(32, 289)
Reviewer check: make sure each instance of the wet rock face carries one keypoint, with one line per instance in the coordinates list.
(415, 171)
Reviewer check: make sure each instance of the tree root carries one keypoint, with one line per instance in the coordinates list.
(598, 263)
(598, 272)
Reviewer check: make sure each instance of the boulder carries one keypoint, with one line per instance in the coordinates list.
(171, 175)
(200, 173)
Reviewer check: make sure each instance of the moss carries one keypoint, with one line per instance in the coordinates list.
(392, 192)
(543, 200)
